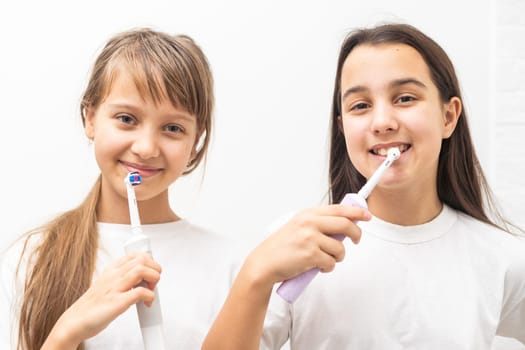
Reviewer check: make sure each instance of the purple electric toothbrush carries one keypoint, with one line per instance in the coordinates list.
(290, 289)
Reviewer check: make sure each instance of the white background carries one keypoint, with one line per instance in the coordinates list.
(274, 64)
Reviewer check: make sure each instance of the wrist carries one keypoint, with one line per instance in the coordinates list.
(61, 338)
(255, 275)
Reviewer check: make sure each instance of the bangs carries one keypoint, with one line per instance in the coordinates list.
(158, 76)
(146, 77)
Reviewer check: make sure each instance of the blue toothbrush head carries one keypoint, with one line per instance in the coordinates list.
(134, 178)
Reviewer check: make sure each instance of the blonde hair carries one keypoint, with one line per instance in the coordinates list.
(162, 66)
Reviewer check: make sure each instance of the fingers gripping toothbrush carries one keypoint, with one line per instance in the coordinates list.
(290, 289)
(150, 318)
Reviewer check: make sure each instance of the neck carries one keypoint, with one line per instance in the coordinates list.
(113, 208)
(406, 209)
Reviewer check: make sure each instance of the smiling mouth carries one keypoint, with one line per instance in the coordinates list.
(384, 151)
(144, 171)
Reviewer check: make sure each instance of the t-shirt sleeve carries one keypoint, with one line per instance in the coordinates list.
(11, 288)
(512, 320)
(277, 324)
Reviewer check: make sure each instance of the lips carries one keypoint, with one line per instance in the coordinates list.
(143, 170)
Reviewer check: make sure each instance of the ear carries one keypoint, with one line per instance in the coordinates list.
(452, 111)
(89, 123)
(192, 154)
(199, 140)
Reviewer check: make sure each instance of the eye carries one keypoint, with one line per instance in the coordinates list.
(174, 128)
(126, 119)
(405, 99)
(359, 106)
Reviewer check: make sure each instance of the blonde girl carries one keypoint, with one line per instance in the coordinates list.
(68, 285)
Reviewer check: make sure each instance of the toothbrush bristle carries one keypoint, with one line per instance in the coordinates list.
(134, 178)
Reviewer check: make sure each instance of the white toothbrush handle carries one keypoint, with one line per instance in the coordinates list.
(290, 289)
(150, 318)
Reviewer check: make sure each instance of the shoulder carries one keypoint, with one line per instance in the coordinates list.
(20, 251)
(15, 262)
(490, 233)
(508, 248)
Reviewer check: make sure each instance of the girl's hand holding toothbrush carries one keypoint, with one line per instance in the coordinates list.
(304, 242)
(112, 293)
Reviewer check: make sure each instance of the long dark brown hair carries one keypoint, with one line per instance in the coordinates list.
(62, 266)
(460, 181)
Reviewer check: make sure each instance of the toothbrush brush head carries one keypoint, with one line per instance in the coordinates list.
(393, 153)
(134, 178)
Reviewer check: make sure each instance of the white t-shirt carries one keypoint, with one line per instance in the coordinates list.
(198, 268)
(452, 283)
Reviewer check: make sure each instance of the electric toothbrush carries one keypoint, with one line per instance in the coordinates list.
(150, 318)
(290, 289)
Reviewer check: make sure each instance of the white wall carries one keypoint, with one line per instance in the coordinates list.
(274, 64)
(507, 112)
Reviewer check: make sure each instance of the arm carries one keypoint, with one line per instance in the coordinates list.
(298, 246)
(240, 322)
(512, 318)
(111, 294)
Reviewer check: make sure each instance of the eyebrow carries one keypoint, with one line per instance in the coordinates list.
(400, 82)
(123, 106)
(393, 84)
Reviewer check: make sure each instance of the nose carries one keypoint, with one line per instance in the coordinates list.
(384, 120)
(146, 144)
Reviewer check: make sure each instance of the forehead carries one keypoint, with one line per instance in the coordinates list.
(122, 83)
(367, 64)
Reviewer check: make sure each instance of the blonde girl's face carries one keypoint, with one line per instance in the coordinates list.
(135, 134)
(389, 99)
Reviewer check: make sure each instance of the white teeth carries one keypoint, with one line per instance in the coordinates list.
(384, 151)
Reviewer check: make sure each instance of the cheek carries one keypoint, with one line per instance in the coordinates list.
(104, 150)
(426, 131)
(108, 144)
(178, 154)
(355, 131)
(427, 140)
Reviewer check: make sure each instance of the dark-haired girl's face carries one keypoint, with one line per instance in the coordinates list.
(389, 99)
